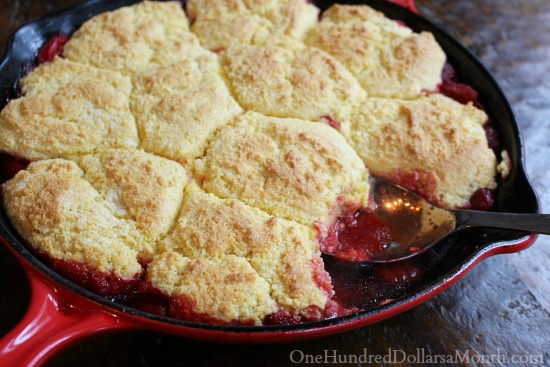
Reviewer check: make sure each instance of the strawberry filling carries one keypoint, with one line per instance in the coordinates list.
(460, 92)
(281, 317)
(399, 273)
(183, 308)
(408, 4)
(52, 48)
(358, 236)
(482, 199)
(103, 283)
(10, 165)
(420, 182)
(331, 122)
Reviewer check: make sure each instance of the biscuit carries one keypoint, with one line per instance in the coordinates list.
(388, 59)
(225, 288)
(131, 38)
(178, 106)
(293, 169)
(220, 24)
(438, 141)
(60, 73)
(217, 34)
(138, 187)
(283, 253)
(75, 119)
(283, 78)
(57, 212)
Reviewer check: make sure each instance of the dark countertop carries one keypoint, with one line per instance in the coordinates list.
(500, 310)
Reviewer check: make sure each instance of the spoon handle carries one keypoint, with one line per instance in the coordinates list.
(534, 223)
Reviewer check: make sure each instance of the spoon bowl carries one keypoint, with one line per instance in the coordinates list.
(416, 225)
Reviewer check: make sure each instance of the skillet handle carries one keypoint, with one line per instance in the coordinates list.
(55, 319)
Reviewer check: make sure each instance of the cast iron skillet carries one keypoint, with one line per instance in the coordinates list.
(61, 312)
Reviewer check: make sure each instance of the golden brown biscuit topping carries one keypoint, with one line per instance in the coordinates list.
(78, 118)
(134, 37)
(284, 78)
(293, 169)
(388, 59)
(209, 179)
(223, 23)
(434, 137)
(179, 106)
(224, 288)
(140, 187)
(58, 212)
(279, 251)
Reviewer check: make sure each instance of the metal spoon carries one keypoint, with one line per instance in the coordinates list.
(417, 224)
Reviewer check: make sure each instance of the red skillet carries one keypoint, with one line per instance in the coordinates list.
(61, 313)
